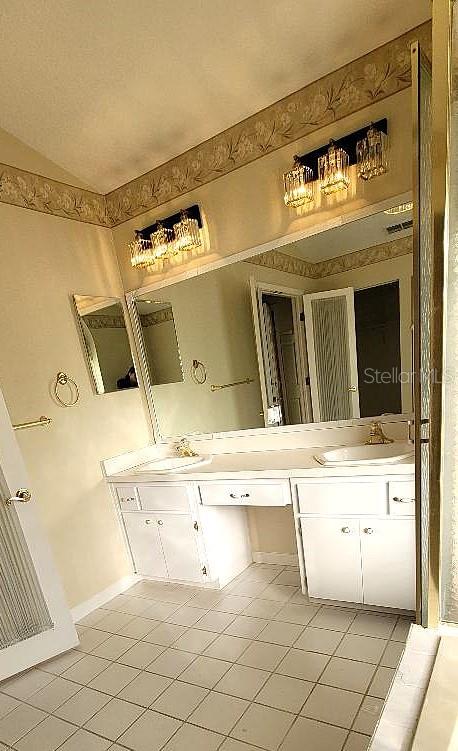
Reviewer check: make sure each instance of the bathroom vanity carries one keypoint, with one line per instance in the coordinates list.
(355, 526)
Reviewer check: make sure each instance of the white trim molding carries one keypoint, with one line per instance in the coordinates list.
(101, 598)
(279, 559)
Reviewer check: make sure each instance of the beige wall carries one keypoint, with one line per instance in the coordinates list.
(43, 260)
(162, 352)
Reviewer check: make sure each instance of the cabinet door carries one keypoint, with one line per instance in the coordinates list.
(332, 558)
(145, 544)
(179, 543)
(388, 559)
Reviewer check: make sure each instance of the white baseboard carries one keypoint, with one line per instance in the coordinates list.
(281, 559)
(79, 611)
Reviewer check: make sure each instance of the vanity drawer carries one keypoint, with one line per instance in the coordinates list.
(162, 497)
(343, 497)
(245, 494)
(401, 498)
(127, 497)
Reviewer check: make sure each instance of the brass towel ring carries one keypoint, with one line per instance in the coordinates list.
(198, 372)
(63, 379)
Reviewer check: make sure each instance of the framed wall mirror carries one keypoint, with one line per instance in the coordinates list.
(156, 325)
(318, 330)
(105, 342)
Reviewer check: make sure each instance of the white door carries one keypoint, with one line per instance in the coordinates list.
(179, 543)
(35, 621)
(388, 560)
(332, 558)
(145, 544)
(331, 345)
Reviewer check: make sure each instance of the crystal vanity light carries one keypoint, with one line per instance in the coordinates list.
(162, 242)
(141, 254)
(333, 170)
(187, 233)
(298, 184)
(372, 154)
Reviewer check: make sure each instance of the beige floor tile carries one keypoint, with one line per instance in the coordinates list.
(262, 608)
(145, 689)
(248, 588)
(61, 663)
(131, 605)
(278, 592)
(138, 627)
(186, 616)
(171, 663)
(24, 685)
(205, 671)
(392, 654)
(159, 611)
(7, 704)
(114, 718)
(368, 715)
(333, 618)
(218, 712)
(263, 726)
(401, 630)
(179, 700)
(91, 638)
(279, 632)
(84, 741)
(292, 613)
(381, 682)
(214, 621)
(19, 722)
(362, 648)
(91, 619)
(242, 681)
(195, 640)
(246, 626)
(150, 732)
(113, 647)
(332, 705)
(285, 693)
(348, 674)
(261, 572)
(82, 706)
(357, 742)
(232, 604)
(319, 640)
(113, 622)
(205, 599)
(47, 736)
(368, 624)
(231, 744)
(191, 738)
(309, 734)
(227, 647)
(262, 656)
(141, 654)
(114, 679)
(166, 634)
(86, 669)
(304, 665)
(290, 577)
(54, 694)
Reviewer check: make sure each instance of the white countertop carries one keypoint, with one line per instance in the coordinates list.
(252, 465)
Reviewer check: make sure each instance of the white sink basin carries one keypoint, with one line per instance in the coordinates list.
(170, 464)
(354, 456)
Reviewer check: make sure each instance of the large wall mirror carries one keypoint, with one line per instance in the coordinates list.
(315, 331)
(105, 343)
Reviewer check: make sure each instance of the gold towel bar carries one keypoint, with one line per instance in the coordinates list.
(33, 423)
(215, 387)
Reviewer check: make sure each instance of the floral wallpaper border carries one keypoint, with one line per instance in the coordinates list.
(275, 259)
(371, 78)
(94, 321)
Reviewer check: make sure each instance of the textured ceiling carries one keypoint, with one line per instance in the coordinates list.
(109, 89)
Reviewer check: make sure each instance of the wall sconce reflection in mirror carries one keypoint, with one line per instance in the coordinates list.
(179, 233)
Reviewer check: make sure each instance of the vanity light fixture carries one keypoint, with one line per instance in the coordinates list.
(141, 255)
(187, 233)
(298, 184)
(372, 154)
(162, 241)
(333, 170)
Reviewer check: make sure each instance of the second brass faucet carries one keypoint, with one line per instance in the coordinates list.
(184, 449)
(377, 436)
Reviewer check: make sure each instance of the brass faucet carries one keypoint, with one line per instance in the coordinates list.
(184, 449)
(377, 436)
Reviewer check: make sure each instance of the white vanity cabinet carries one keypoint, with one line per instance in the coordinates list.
(356, 539)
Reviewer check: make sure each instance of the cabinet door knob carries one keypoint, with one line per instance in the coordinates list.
(233, 495)
(345, 530)
(368, 531)
(245, 495)
(160, 522)
(147, 521)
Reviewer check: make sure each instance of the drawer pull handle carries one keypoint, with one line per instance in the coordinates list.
(233, 495)
(245, 495)
(403, 500)
(368, 531)
(345, 530)
(160, 522)
(147, 521)
(127, 500)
